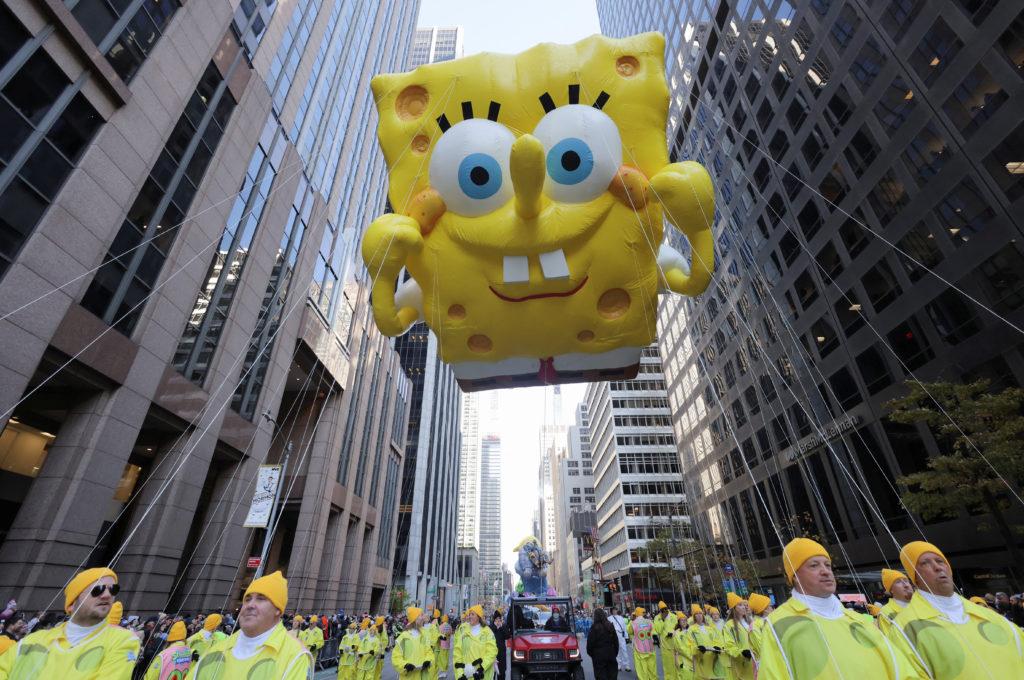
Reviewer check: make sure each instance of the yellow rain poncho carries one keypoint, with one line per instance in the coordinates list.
(641, 633)
(347, 655)
(313, 639)
(889, 612)
(736, 640)
(367, 651)
(171, 663)
(411, 647)
(283, 657)
(108, 653)
(476, 644)
(798, 645)
(663, 626)
(443, 659)
(707, 664)
(986, 647)
(677, 642)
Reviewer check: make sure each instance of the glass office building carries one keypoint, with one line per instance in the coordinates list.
(867, 157)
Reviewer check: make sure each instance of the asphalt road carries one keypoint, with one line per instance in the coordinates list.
(390, 674)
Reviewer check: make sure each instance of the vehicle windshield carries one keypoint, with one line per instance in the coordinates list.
(543, 615)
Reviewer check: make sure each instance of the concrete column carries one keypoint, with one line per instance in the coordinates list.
(161, 519)
(62, 517)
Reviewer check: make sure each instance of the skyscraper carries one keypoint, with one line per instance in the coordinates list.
(573, 491)
(469, 473)
(490, 516)
(639, 484)
(428, 512)
(180, 180)
(857, 147)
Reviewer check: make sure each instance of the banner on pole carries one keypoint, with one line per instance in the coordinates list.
(263, 497)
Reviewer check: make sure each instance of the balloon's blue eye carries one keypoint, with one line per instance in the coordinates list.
(479, 176)
(570, 161)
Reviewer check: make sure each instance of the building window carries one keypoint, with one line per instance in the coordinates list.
(873, 370)
(910, 345)
(977, 10)
(861, 150)
(848, 312)
(809, 220)
(919, 243)
(926, 155)
(888, 198)
(828, 258)
(845, 26)
(881, 286)
(813, 147)
(768, 388)
(845, 389)
(806, 290)
(1006, 163)
(1002, 277)
(838, 110)
(953, 317)
(895, 105)
(964, 212)
(210, 311)
(47, 123)
(825, 337)
(294, 41)
(1011, 42)
(126, 31)
(935, 52)
(129, 272)
(974, 101)
(868, 64)
(247, 394)
(854, 234)
(898, 16)
(250, 23)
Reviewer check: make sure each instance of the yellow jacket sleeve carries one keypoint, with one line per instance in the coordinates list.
(153, 672)
(458, 656)
(7, 661)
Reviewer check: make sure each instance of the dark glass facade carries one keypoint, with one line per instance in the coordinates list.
(854, 146)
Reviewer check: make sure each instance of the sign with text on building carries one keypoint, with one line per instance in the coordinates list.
(833, 431)
(263, 497)
(253, 562)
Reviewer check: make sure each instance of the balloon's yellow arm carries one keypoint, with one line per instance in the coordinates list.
(688, 198)
(389, 241)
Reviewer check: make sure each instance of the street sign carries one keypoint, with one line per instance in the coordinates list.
(253, 562)
(743, 587)
(728, 568)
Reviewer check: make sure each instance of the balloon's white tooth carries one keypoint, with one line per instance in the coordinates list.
(516, 269)
(553, 265)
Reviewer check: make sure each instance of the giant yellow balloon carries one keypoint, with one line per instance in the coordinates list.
(529, 194)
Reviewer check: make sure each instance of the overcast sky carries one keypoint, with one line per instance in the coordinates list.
(501, 26)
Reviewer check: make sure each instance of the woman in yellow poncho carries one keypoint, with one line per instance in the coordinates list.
(708, 656)
(476, 649)
(736, 639)
(412, 655)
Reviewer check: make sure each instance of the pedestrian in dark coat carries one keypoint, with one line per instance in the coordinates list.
(501, 634)
(602, 647)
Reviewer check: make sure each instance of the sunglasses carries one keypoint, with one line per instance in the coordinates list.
(98, 590)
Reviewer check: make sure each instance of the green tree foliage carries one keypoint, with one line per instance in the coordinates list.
(980, 435)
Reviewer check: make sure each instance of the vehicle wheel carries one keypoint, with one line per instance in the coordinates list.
(577, 673)
(515, 674)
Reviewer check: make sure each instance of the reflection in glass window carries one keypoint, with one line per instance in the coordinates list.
(1006, 163)
(974, 101)
(964, 212)
(895, 105)
(919, 243)
(935, 51)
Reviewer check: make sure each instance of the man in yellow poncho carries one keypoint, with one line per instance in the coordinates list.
(705, 639)
(736, 638)
(412, 654)
(84, 647)
(641, 635)
(347, 653)
(664, 622)
(259, 640)
(296, 630)
(382, 645)
(312, 637)
(476, 650)
(899, 587)
(201, 641)
(813, 637)
(947, 637)
(175, 659)
(367, 651)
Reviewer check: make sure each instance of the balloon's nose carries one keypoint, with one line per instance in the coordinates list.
(527, 167)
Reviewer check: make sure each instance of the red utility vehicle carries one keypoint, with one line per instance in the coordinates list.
(544, 645)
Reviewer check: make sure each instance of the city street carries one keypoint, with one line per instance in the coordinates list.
(390, 674)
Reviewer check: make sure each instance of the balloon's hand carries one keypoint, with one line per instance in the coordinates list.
(688, 198)
(389, 241)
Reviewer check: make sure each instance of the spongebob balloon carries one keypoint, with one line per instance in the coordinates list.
(529, 194)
